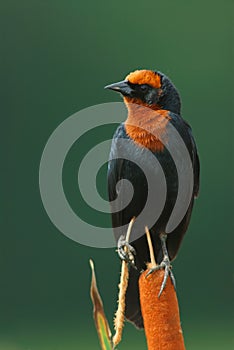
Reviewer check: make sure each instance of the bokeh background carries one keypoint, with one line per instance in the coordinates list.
(56, 58)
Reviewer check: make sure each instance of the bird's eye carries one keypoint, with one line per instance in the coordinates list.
(144, 87)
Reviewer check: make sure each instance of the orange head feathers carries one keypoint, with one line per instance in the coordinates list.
(145, 77)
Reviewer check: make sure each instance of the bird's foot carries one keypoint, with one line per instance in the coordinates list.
(166, 265)
(126, 251)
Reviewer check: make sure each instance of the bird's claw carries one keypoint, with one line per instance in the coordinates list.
(165, 264)
(126, 251)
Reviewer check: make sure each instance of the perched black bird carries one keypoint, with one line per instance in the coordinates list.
(153, 105)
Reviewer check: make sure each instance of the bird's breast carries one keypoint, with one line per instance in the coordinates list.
(147, 127)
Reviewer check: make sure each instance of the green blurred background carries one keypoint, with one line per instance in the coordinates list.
(56, 57)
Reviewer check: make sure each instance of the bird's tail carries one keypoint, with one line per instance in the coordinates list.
(133, 309)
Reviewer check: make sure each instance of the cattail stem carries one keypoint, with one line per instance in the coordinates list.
(152, 262)
(119, 316)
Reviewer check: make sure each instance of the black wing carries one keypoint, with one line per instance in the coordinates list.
(115, 166)
(196, 166)
(125, 168)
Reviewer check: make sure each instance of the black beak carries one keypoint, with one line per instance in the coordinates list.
(122, 86)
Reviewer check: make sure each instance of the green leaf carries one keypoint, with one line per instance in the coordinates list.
(101, 322)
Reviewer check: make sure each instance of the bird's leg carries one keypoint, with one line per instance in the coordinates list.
(126, 251)
(165, 264)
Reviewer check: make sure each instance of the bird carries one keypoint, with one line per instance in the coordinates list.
(153, 104)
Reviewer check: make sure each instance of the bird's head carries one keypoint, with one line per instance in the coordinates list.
(148, 88)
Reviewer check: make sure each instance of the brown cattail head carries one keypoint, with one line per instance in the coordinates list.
(161, 314)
